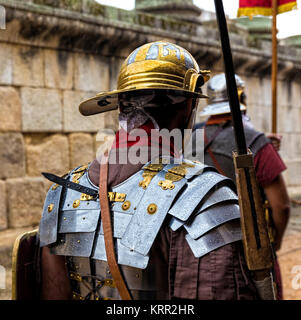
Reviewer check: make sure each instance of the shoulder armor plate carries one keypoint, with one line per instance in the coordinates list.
(220, 236)
(49, 220)
(208, 210)
(197, 198)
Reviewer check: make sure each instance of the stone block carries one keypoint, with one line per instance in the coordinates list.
(12, 155)
(296, 94)
(91, 73)
(288, 119)
(58, 69)
(41, 110)
(28, 66)
(3, 207)
(295, 143)
(25, 198)
(10, 109)
(47, 154)
(253, 90)
(265, 93)
(81, 149)
(285, 148)
(73, 120)
(294, 192)
(285, 176)
(283, 93)
(294, 172)
(6, 64)
(252, 113)
(260, 117)
(115, 65)
(265, 121)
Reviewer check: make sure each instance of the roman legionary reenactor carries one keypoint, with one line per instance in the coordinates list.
(168, 228)
(219, 143)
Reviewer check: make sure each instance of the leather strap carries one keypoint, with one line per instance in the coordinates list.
(220, 128)
(208, 149)
(107, 230)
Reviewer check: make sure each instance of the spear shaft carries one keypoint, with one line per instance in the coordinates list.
(230, 79)
(257, 246)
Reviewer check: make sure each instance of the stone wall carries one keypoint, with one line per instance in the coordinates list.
(53, 55)
(289, 122)
(41, 128)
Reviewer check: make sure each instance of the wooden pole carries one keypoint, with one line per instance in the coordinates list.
(274, 67)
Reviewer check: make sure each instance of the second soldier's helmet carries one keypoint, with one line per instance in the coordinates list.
(218, 102)
(157, 65)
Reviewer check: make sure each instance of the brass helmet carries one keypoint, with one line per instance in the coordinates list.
(218, 96)
(157, 65)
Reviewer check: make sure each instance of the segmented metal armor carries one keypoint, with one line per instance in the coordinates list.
(187, 195)
(223, 145)
(222, 140)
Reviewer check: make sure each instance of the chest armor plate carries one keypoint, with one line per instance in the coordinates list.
(190, 195)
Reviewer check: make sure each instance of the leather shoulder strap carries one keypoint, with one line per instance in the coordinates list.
(211, 154)
(220, 128)
(108, 234)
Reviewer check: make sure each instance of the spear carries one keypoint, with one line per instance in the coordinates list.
(257, 247)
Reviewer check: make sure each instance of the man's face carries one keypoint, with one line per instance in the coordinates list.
(171, 109)
(172, 116)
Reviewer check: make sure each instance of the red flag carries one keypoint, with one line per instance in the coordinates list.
(263, 7)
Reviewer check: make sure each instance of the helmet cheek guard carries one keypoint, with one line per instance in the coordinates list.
(242, 96)
(193, 80)
(157, 65)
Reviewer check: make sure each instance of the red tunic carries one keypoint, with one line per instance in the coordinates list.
(268, 165)
(220, 275)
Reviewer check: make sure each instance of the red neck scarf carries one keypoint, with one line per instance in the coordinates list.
(150, 138)
(217, 119)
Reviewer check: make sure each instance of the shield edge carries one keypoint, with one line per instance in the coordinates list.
(15, 251)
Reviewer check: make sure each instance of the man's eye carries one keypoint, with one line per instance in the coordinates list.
(128, 108)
